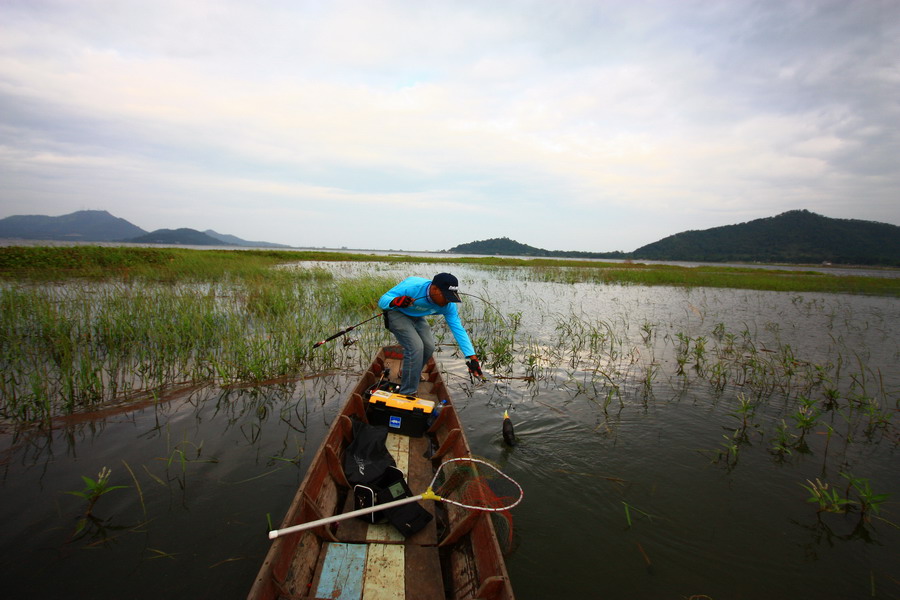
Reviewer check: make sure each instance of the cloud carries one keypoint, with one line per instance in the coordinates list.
(544, 122)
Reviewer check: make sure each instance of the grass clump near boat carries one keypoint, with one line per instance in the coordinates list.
(159, 318)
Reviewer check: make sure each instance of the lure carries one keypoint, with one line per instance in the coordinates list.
(509, 434)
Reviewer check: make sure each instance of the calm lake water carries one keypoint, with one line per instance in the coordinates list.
(637, 482)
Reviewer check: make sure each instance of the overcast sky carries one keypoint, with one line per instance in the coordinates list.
(418, 125)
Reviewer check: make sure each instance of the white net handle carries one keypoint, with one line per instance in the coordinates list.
(426, 495)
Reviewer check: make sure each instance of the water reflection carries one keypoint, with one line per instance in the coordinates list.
(194, 465)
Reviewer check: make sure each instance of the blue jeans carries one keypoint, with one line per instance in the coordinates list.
(414, 334)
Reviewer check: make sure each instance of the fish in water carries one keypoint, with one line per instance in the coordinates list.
(509, 435)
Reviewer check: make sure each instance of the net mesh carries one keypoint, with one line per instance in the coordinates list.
(477, 484)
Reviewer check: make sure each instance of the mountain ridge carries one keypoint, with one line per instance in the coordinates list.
(506, 247)
(793, 237)
(101, 226)
(236, 241)
(184, 235)
(82, 225)
(796, 236)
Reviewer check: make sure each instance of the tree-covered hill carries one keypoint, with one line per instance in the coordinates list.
(82, 225)
(101, 226)
(499, 246)
(190, 237)
(797, 236)
(794, 237)
(507, 247)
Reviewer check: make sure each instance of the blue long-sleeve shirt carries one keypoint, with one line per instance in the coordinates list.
(417, 288)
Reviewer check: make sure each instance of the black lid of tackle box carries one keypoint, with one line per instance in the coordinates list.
(406, 415)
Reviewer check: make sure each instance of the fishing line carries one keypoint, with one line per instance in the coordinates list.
(497, 310)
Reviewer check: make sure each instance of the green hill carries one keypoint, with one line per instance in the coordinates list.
(794, 237)
(187, 237)
(79, 226)
(233, 240)
(100, 226)
(499, 246)
(797, 236)
(507, 247)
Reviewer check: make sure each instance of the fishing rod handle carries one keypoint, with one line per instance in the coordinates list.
(337, 335)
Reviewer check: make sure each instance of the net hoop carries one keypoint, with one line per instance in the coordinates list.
(429, 493)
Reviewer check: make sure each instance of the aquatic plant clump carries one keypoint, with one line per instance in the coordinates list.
(70, 348)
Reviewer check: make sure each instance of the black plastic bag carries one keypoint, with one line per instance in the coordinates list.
(367, 458)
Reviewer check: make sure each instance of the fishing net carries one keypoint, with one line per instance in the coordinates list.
(476, 484)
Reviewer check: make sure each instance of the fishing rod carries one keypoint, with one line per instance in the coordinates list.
(346, 331)
(352, 327)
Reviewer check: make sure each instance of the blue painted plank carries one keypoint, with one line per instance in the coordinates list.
(342, 572)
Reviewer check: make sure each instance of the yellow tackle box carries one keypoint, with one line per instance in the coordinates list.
(402, 414)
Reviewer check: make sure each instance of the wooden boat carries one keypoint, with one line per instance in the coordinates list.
(456, 556)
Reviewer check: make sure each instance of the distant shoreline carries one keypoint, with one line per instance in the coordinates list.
(838, 270)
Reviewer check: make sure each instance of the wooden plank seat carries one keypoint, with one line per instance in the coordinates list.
(378, 572)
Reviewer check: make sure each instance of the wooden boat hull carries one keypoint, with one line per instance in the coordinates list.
(456, 556)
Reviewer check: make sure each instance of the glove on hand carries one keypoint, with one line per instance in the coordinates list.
(474, 367)
(401, 301)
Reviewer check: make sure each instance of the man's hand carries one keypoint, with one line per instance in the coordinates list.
(474, 367)
(401, 301)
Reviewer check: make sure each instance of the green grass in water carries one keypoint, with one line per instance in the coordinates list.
(181, 264)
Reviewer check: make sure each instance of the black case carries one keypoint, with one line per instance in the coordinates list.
(389, 487)
(408, 518)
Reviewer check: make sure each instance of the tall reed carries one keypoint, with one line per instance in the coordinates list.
(71, 347)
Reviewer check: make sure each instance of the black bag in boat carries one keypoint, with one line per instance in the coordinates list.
(366, 457)
(372, 472)
(407, 518)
